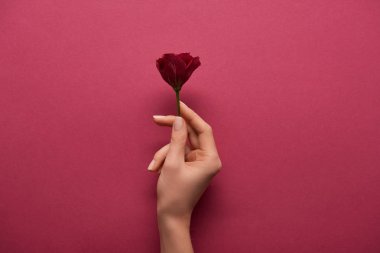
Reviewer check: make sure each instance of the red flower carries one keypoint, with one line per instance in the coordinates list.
(176, 69)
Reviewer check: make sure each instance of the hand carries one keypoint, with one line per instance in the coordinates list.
(185, 169)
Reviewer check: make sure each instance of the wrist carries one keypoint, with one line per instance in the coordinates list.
(174, 233)
(179, 215)
(170, 222)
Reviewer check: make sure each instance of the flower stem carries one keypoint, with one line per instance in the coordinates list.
(177, 96)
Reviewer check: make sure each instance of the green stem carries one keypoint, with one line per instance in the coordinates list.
(177, 96)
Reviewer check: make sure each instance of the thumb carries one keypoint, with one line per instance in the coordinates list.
(176, 153)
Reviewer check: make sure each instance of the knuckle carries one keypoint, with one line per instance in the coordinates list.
(216, 164)
(179, 137)
(156, 157)
(161, 153)
(219, 164)
(207, 128)
(168, 164)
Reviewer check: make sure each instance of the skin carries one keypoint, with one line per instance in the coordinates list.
(185, 166)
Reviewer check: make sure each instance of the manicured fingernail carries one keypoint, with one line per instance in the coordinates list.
(150, 167)
(177, 123)
(158, 116)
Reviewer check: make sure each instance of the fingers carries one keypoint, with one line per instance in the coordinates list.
(191, 156)
(200, 133)
(164, 120)
(168, 121)
(176, 153)
(193, 137)
(158, 158)
(204, 131)
(193, 119)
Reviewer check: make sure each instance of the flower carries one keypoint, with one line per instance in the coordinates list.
(176, 69)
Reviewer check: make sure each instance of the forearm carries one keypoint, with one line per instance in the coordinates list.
(174, 234)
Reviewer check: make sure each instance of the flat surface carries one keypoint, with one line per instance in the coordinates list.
(291, 89)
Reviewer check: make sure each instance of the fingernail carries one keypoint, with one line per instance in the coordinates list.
(150, 167)
(177, 123)
(158, 116)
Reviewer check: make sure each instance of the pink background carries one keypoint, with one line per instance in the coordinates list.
(291, 89)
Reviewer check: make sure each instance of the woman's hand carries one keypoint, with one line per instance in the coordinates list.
(185, 170)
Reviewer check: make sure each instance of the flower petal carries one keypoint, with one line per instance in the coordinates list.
(193, 65)
(186, 57)
(175, 70)
(165, 71)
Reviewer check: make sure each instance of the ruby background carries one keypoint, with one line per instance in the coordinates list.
(291, 89)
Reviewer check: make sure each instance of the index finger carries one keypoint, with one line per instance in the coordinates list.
(204, 130)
